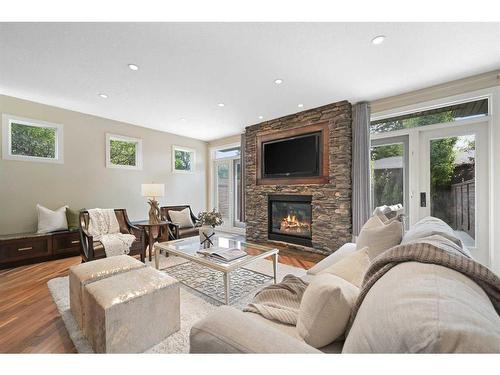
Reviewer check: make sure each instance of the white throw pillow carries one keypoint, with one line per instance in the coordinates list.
(181, 218)
(50, 221)
(352, 268)
(325, 309)
(379, 236)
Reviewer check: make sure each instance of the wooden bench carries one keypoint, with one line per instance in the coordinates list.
(25, 248)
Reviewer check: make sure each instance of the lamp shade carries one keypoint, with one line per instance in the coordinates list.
(153, 190)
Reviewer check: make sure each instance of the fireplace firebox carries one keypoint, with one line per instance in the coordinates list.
(290, 219)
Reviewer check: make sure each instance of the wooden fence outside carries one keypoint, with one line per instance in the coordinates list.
(464, 206)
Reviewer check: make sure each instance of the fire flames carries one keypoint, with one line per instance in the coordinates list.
(290, 223)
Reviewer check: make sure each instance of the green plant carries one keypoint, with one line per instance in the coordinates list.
(122, 152)
(211, 218)
(182, 160)
(33, 141)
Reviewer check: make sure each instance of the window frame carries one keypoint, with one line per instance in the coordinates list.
(138, 151)
(192, 151)
(7, 121)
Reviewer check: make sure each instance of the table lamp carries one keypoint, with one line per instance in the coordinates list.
(152, 191)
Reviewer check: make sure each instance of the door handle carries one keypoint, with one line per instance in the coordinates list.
(423, 199)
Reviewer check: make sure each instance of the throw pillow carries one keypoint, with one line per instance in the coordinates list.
(352, 268)
(50, 221)
(72, 217)
(181, 218)
(379, 236)
(325, 309)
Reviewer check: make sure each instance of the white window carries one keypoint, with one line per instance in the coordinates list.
(31, 140)
(123, 152)
(183, 159)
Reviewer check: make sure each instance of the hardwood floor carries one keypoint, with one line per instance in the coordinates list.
(29, 320)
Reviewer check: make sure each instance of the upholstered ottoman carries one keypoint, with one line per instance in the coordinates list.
(132, 311)
(86, 273)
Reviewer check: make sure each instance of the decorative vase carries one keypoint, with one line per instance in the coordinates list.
(206, 236)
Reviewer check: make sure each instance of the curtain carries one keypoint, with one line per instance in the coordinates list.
(242, 179)
(360, 166)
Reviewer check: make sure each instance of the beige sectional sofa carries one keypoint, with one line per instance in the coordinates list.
(414, 308)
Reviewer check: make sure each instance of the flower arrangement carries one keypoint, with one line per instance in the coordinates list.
(210, 218)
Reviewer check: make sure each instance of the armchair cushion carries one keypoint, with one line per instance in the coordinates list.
(188, 232)
(181, 218)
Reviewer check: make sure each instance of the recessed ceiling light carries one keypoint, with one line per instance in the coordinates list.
(102, 95)
(221, 105)
(379, 39)
(278, 81)
(133, 67)
(300, 105)
(183, 119)
(261, 117)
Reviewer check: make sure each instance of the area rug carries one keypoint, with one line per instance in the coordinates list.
(194, 305)
(211, 283)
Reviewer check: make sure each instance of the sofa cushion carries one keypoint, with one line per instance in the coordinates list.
(351, 268)
(181, 218)
(341, 253)
(379, 236)
(429, 226)
(228, 330)
(424, 308)
(325, 309)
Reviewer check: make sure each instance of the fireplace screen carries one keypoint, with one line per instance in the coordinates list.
(290, 218)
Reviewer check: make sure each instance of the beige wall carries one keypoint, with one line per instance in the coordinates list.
(225, 141)
(83, 180)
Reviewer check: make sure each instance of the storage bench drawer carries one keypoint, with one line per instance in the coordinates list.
(66, 243)
(25, 248)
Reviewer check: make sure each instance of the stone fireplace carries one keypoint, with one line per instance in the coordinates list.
(306, 214)
(290, 219)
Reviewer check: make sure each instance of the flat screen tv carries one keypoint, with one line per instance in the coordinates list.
(298, 156)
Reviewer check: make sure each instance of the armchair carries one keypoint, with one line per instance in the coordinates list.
(91, 250)
(174, 228)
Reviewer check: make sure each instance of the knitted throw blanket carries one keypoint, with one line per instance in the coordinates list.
(434, 250)
(279, 302)
(104, 227)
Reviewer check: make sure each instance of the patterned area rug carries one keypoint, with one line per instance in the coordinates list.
(194, 305)
(211, 283)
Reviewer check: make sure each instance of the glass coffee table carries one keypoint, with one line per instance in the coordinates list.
(187, 248)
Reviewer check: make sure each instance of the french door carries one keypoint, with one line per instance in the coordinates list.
(439, 171)
(227, 191)
(453, 182)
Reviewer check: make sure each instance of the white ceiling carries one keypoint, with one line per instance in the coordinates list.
(186, 69)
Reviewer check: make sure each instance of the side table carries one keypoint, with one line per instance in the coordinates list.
(150, 228)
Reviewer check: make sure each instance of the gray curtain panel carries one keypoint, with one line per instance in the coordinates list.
(360, 166)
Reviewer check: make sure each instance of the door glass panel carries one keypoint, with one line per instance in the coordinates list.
(387, 174)
(452, 184)
(237, 191)
(223, 191)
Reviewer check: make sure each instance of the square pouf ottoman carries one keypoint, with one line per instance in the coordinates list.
(86, 273)
(131, 312)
